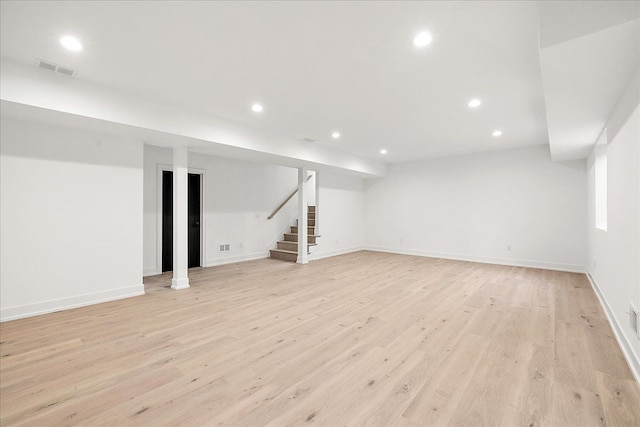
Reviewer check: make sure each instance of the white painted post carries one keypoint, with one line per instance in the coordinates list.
(303, 257)
(180, 211)
(317, 229)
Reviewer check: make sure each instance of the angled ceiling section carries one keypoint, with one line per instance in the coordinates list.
(589, 52)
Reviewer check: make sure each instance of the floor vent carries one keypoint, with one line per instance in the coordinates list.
(48, 65)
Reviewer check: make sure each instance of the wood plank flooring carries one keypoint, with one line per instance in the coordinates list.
(360, 339)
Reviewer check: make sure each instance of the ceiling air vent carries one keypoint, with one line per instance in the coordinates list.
(308, 140)
(66, 71)
(48, 65)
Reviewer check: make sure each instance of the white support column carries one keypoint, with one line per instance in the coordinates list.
(180, 217)
(317, 229)
(303, 257)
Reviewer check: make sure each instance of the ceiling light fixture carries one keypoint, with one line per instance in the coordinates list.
(335, 135)
(422, 39)
(497, 133)
(383, 151)
(71, 43)
(475, 102)
(256, 108)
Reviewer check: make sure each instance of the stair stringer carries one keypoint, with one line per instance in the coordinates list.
(293, 222)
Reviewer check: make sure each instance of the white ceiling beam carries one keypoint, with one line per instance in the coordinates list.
(162, 124)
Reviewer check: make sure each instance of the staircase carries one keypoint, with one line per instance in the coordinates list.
(287, 249)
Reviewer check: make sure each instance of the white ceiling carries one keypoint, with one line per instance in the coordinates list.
(315, 66)
(590, 53)
(561, 21)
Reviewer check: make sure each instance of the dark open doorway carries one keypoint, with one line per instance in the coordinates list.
(194, 219)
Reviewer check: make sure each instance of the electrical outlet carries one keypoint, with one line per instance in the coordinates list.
(240, 246)
(509, 248)
(226, 246)
(221, 248)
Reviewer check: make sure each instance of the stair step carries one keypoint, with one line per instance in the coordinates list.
(310, 230)
(293, 237)
(288, 248)
(291, 246)
(284, 255)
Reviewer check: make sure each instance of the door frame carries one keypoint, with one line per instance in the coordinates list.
(203, 225)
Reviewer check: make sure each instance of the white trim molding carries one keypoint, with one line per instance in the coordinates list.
(238, 258)
(178, 284)
(150, 271)
(50, 306)
(571, 268)
(627, 349)
(320, 255)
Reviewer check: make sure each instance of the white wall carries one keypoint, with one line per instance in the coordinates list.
(512, 207)
(70, 219)
(238, 197)
(614, 255)
(341, 215)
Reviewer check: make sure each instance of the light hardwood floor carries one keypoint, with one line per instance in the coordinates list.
(360, 339)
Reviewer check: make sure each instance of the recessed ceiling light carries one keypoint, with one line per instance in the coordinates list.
(335, 135)
(422, 39)
(475, 102)
(256, 108)
(71, 43)
(383, 151)
(497, 133)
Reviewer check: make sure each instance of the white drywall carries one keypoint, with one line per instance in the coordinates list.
(137, 117)
(70, 219)
(341, 215)
(512, 207)
(614, 254)
(238, 198)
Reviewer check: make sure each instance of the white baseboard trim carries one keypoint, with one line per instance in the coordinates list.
(178, 284)
(321, 255)
(571, 268)
(238, 258)
(50, 306)
(632, 358)
(150, 271)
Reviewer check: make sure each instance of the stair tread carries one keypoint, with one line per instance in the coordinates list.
(284, 251)
(295, 243)
(309, 235)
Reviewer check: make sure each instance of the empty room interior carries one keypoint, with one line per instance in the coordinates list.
(340, 213)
